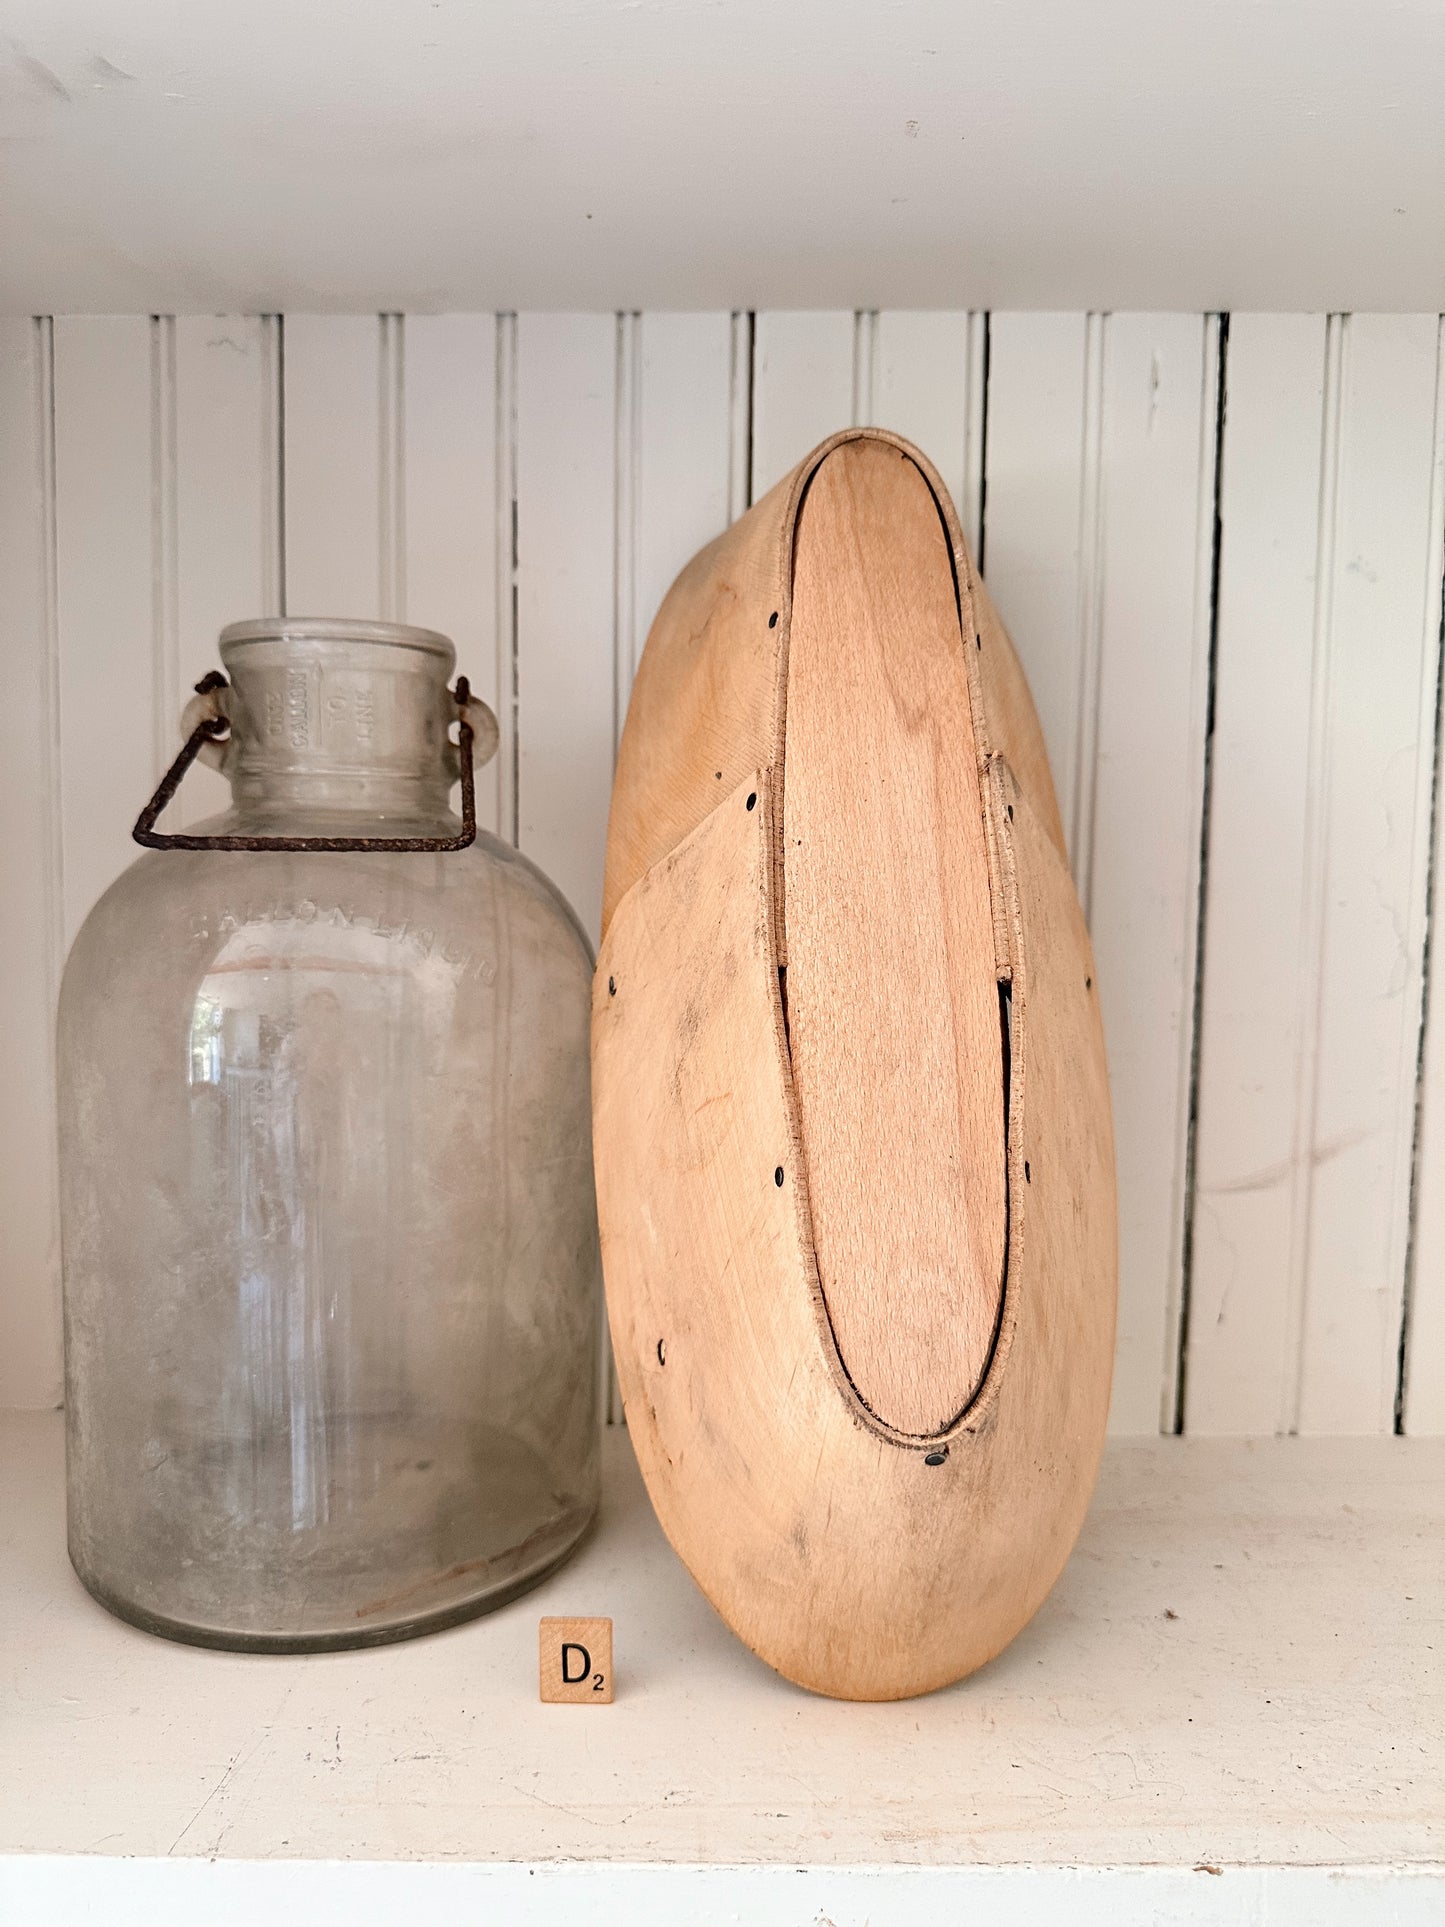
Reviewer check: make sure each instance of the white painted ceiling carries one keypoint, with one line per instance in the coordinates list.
(189, 155)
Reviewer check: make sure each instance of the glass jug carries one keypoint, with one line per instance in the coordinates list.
(328, 1226)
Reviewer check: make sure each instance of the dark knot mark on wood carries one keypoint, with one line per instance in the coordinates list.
(778, 1177)
(753, 800)
(611, 986)
(936, 1457)
(773, 620)
(661, 1352)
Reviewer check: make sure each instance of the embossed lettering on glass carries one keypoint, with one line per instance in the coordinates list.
(329, 1234)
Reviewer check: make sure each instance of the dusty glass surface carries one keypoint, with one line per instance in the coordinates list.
(329, 1233)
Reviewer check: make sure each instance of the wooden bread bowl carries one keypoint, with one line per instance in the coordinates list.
(851, 1114)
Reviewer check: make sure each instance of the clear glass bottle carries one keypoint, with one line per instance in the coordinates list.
(329, 1233)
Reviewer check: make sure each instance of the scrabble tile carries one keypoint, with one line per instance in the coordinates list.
(575, 1661)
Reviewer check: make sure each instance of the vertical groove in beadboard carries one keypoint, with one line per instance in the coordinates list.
(1091, 609)
(740, 414)
(1315, 878)
(391, 457)
(1427, 811)
(52, 817)
(627, 454)
(627, 401)
(507, 759)
(865, 365)
(30, 1325)
(971, 507)
(165, 568)
(273, 465)
(1216, 372)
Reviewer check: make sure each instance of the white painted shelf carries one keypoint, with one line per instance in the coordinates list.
(1232, 1707)
(434, 154)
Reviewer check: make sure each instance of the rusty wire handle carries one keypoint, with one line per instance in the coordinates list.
(210, 728)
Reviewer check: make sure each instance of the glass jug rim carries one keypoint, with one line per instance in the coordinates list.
(395, 635)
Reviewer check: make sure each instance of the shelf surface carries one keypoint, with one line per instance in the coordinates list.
(1241, 1665)
(181, 155)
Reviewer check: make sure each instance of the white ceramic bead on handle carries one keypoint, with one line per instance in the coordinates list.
(486, 734)
(205, 707)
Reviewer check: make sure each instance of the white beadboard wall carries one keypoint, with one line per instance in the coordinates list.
(1217, 542)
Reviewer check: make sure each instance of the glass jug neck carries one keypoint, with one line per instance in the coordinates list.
(339, 722)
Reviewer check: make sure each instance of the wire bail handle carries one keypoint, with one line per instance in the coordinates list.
(208, 729)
